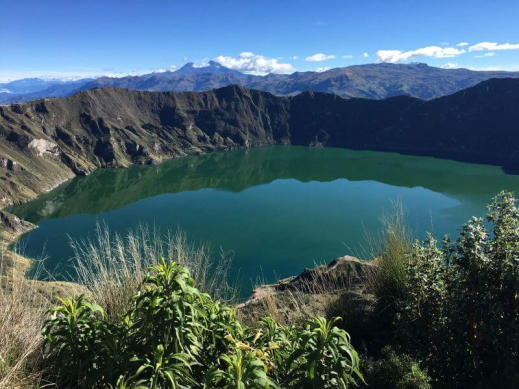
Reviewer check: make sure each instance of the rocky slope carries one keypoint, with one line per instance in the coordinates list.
(373, 81)
(48, 141)
(11, 226)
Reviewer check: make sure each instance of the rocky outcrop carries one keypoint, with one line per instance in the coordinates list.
(50, 141)
(12, 226)
(342, 273)
(311, 292)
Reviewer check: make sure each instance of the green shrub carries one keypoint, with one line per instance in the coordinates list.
(174, 336)
(461, 309)
(395, 370)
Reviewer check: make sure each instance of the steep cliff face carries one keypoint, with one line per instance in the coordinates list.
(479, 124)
(45, 142)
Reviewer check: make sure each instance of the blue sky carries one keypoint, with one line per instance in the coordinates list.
(80, 38)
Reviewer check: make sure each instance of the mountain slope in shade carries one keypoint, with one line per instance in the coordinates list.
(47, 141)
(373, 81)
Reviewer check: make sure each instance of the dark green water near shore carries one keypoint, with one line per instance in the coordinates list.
(278, 208)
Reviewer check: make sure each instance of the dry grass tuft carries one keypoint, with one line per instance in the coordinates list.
(22, 312)
(389, 249)
(112, 267)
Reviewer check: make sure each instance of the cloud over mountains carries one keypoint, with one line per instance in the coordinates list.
(251, 63)
(493, 46)
(393, 56)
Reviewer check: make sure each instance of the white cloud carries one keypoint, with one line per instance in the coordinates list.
(450, 65)
(365, 55)
(295, 57)
(462, 44)
(491, 46)
(322, 69)
(319, 58)
(393, 56)
(347, 56)
(491, 54)
(251, 63)
(163, 70)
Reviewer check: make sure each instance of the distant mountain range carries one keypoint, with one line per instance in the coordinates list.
(373, 81)
(45, 142)
(36, 88)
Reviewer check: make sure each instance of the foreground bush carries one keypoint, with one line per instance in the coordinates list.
(457, 309)
(175, 336)
(396, 370)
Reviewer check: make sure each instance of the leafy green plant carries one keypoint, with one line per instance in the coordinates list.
(243, 369)
(79, 342)
(175, 336)
(324, 357)
(397, 370)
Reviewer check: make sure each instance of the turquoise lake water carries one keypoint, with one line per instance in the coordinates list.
(279, 209)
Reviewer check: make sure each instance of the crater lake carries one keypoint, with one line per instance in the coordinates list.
(274, 209)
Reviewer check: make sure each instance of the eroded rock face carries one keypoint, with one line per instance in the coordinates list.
(9, 164)
(42, 146)
(14, 224)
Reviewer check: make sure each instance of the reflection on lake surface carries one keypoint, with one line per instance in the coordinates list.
(278, 208)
